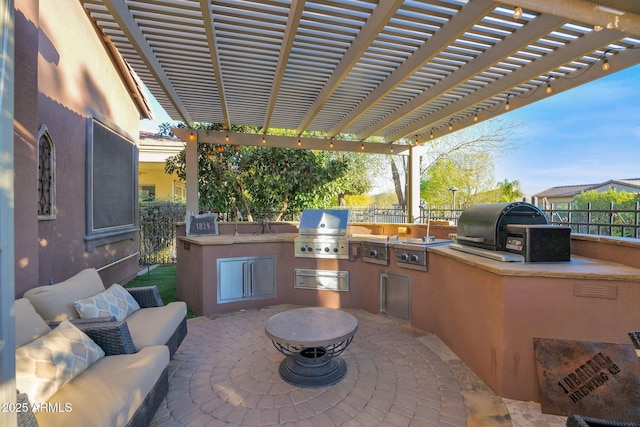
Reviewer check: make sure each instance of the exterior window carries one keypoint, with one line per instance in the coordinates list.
(147, 192)
(46, 175)
(179, 192)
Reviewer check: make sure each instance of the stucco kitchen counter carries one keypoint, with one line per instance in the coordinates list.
(578, 268)
(230, 239)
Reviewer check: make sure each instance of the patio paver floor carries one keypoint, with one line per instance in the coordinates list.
(226, 374)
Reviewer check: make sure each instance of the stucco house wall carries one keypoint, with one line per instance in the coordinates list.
(154, 151)
(63, 74)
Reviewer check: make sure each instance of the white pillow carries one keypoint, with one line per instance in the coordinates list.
(46, 364)
(115, 301)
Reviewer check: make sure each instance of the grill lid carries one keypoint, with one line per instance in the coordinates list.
(482, 225)
(324, 222)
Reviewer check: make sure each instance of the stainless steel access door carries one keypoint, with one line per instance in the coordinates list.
(395, 295)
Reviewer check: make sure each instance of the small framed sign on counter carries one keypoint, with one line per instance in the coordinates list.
(202, 224)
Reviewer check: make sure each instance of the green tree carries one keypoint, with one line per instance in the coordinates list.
(603, 199)
(602, 206)
(509, 191)
(470, 173)
(465, 160)
(263, 181)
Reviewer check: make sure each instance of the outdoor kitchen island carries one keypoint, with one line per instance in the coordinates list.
(486, 311)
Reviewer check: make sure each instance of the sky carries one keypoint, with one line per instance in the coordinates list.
(587, 135)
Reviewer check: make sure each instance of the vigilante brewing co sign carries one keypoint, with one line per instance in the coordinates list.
(597, 380)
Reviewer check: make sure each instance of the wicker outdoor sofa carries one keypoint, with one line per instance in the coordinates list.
(64, 380)
(153, 324)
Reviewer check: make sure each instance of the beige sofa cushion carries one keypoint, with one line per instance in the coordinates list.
(29, 324)
(55, 302)
(109, 392)
(155, 325)
(46, 364)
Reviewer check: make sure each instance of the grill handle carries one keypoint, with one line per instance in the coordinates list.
(471, 239)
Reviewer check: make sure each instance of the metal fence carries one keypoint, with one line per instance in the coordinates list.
(157, 238)
(158, 242)
(619, 221)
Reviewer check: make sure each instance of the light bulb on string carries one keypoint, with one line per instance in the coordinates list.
(475, 116)
(605, 64)
(226, 138)
(517, 12)
(450, 126)
(507, 106)
(549, 89)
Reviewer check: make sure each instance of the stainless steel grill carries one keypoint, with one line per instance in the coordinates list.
(323, 234)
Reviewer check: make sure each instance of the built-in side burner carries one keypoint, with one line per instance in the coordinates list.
(375, 249)
(412, 253)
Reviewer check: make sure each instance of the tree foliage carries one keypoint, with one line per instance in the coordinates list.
(603, 199)
(509, 191)
(465, 160)
(267, 182)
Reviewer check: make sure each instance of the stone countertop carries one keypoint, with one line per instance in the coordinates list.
(230, 239)
(311, 327)
(578, 268)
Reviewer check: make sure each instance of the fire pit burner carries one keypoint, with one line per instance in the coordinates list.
(312, 340)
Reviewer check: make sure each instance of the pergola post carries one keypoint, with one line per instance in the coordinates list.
(413, 183)
(191, 171)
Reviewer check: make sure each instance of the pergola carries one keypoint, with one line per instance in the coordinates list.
(378, 76)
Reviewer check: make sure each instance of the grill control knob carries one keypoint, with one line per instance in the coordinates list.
(373, 253)
(336, 250)
(326, 249)
(404, 257)
(309, 249)
(303, 249)
(414, 258)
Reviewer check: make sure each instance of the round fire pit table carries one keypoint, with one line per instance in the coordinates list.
(312, 340)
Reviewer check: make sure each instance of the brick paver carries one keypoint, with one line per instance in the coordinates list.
(226, 372)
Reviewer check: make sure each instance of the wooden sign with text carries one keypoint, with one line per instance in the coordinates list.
(593, 379)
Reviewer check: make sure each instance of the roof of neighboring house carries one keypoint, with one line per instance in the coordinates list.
(574, 190)
(157, 148)
(151, 138)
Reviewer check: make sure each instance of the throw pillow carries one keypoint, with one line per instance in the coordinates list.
(115, 301)
(46, 364)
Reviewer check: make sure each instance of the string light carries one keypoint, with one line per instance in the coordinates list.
(450, 125)
(362, 146)
(226, 138)
(507, 107)
(331, 144)
(475, 116)
(264, 139)
(605, 64)
(549, 88)
(299, 142)
(431, 133)
(192, 136)
(517, 12)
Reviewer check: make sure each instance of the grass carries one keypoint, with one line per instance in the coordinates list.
(164, 277)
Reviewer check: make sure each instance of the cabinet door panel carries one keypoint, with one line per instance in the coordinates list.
(262, 277)
(231, 279)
